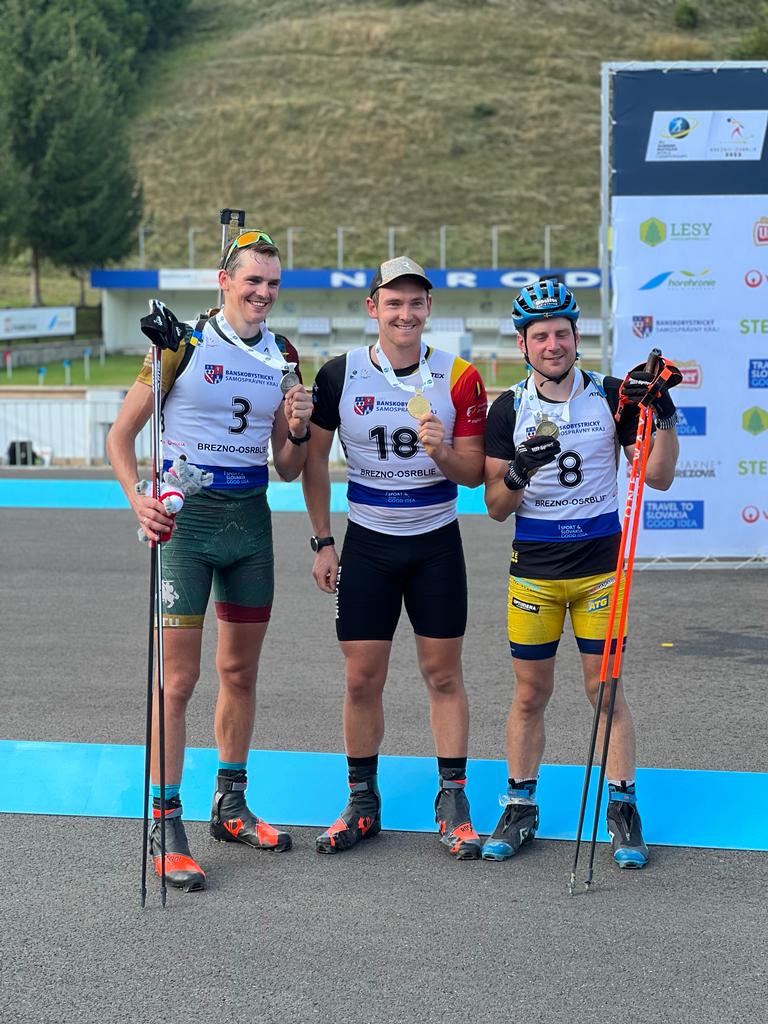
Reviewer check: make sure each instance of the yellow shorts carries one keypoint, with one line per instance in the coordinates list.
(536, 614)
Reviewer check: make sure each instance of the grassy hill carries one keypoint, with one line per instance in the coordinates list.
(407, 113)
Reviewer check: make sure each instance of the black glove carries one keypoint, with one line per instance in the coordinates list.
(643, 387)
(530, 455)
(161, 326)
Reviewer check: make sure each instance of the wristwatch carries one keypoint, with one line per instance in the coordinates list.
(299, 440)
(320, 542)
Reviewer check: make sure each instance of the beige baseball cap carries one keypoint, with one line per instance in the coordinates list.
(401, 266)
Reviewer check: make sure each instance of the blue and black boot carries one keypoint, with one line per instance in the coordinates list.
(517, 824)
(625, 827)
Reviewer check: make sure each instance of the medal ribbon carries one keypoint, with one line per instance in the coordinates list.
(564, 415)
(395, 382)
(273, 357)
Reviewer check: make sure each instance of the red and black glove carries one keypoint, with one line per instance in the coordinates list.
(651, 388)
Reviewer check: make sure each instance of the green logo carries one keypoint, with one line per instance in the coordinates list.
(755, 420)
(653, 231)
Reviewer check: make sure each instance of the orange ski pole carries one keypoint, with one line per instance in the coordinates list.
(628, 533)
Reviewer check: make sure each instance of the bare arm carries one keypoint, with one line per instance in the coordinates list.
(289, 458)
(316, 482)
(134, 413)
(499, 500)
(461, 461)
(662, 459)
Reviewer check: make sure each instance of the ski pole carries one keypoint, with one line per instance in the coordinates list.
(164, 331)
(644, 435)
(148, 728)
(643, 427)
(226, 217)
(157, 547)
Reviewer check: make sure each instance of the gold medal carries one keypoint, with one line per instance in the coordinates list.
(546, 428)
(418, 405)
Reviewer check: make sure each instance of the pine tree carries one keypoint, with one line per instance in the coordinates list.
(68, 193)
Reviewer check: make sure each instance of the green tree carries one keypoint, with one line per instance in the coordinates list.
(70, 195)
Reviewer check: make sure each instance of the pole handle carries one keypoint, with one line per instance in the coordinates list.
(653, 358)
(226, 215)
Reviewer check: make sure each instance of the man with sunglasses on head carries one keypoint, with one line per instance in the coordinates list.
(552, 455)
(411, 421)
(230, 391)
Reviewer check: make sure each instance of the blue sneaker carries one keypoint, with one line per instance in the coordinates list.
(625, 828)
(516, 827)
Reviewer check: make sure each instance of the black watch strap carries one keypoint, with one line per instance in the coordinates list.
(320, 542)
(299, 440)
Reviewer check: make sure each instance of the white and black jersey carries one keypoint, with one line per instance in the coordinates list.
(567, 525)
(393, 485)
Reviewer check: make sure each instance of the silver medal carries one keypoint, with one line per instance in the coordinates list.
(289, 380)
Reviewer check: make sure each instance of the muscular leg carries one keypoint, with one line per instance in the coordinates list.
(182, 670)
(440, 664)
(237, 662)
(534, 683)
(366, 663)
(621, 752)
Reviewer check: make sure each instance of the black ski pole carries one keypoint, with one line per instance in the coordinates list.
(164, 331)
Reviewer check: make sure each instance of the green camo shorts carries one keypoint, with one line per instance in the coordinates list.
(225, 542)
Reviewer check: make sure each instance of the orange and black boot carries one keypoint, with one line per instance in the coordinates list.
(181, 870)
(233, 822)
(360, 819)
(453, 820)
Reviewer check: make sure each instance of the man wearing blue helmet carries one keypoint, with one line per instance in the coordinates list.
(552, 445)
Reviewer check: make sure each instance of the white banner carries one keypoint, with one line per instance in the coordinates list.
(690, 276)
(37, 322)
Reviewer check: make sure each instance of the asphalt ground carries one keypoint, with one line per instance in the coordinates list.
(394, 930)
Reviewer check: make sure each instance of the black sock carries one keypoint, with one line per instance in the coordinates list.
(361, 768)
(452, 769)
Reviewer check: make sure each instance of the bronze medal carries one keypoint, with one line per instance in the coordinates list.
(546, 428)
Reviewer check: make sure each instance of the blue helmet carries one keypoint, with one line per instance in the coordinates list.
(544, 300)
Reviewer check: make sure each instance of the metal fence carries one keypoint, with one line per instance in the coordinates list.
(64, 430)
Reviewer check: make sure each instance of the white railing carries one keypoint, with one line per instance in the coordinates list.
(64, 430)
(74, 431)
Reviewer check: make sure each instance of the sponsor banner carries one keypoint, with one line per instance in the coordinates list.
(689, 131)
(691, 421)
(509, 279)
(673, 515)
(39, 322)
(689, 221)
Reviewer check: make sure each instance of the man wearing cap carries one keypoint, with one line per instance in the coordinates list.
(552, 456)
(411, 420)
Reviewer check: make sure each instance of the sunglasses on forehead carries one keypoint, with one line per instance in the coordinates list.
(247, 239)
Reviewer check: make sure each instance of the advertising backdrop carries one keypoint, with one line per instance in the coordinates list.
(689, 275)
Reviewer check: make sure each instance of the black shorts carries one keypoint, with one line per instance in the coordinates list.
(378, 571)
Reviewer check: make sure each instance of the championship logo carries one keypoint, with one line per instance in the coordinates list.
(364, 404)
(214, 373)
